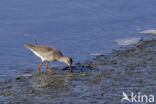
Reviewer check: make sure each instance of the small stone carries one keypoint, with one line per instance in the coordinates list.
(7, 94)
(32, 91)
(18, 78)
(78, 63)
(85, 74)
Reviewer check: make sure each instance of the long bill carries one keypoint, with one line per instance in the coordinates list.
(70, 68)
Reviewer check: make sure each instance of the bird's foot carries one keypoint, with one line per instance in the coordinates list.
(50, 70)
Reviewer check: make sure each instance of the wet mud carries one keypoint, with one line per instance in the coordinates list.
(98, 81)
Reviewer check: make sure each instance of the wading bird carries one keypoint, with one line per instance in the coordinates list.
(49, 54)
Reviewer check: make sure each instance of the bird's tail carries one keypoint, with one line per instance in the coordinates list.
(29, 46)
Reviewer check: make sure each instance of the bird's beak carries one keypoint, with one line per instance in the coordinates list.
(70, 67)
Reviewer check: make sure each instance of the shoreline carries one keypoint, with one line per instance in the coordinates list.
(127, 69)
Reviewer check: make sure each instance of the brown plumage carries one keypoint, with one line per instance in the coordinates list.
(49, 54)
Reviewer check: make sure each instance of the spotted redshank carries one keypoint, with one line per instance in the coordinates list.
(49, 54)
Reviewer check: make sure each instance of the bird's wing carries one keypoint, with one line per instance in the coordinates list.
(48, 50)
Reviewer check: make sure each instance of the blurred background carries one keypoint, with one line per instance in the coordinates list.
(77, 27)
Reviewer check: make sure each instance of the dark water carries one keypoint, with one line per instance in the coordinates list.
(76, 27)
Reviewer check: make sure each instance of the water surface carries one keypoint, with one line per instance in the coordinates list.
(77, 28)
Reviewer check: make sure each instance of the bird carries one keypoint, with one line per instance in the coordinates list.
(48, 54)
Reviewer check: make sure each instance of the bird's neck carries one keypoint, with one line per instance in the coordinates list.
(62, 59)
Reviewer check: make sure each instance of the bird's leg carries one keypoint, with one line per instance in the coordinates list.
(40, 66)
(48, 68)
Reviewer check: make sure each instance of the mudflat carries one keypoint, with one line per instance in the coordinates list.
(98, 81)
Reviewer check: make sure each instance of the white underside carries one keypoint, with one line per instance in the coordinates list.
(42, 57)
(38, 55)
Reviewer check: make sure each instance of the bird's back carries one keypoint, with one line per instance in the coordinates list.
(46, 53)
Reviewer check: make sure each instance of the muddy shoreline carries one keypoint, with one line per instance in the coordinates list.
(98, 81)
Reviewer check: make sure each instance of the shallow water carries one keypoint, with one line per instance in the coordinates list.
(127, 70)
(77, 28)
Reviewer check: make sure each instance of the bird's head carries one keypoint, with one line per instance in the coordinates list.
(68, 61)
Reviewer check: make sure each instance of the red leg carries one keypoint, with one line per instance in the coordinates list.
(48, 68)
(40, 66)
